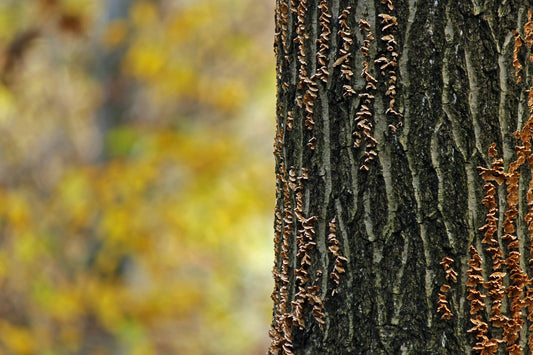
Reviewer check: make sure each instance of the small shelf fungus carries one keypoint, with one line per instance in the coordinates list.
(280, 332)
(305, 244)
(345, 52)
(323, 42)
(339, 259)
(388, 62)
(389, 4)
(518, 42)
(475, 278)
(305, 237)
(290, 121)
(309, 87)
(284, 20)
(280, 37)
(528, 29)
(290, 313)
(516, 61)
(484, 344)
(363, 118)
(301, 37)
(311, 143)
(451, 276)
(318, 306)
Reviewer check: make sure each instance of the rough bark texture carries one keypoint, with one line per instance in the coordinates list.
(361, 227)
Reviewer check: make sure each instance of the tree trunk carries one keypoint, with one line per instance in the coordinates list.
(385, 111)
(116, 87)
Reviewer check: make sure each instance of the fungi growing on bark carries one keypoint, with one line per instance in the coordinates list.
(345, 52)
(528, 29)
(517, 291)
(339, 259)
(451, 276)
(516, 61)
(363, 116)
(323, 42)
(388, 62)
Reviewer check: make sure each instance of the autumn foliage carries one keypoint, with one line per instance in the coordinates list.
(135, 162)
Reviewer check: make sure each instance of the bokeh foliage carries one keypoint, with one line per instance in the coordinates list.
(135, 176)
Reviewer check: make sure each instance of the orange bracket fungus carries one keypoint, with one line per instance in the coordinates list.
(451, 276)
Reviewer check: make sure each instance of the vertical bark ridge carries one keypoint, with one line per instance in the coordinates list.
(293, 139)
(503, 112)
(349, 270)
(476, 105)
(419, 120)
(392, 207)
(325, 202)
(473, 98)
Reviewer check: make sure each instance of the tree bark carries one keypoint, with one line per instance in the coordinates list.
(381, 127)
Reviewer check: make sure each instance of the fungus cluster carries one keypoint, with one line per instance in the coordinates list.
(282, 19)
(305, 237)
(388, 62)
(305, 243)
(451, 276)
(279, 294)
(528, 30)
(339, 259)
(389, 4)
(318, 306)
(289, 313)
(290, 121)
(528, 40)
(484, 344)
(289, 215)
(304, 83)
(345, 53)
(323, 42)
(508, 280)
(280, 37)
(301, 37)
(516, 61)
(280, 332)
(475, 296)
(363, 116)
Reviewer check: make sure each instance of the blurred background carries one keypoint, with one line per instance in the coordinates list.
(136, 176)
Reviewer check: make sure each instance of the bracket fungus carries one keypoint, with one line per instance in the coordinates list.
(339, 259)
(451, 276)
(388, 62)
(323, 42)
(363, 118)
(345, 52)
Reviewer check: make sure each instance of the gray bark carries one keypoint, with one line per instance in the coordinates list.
(116, 87)
(361, 230)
